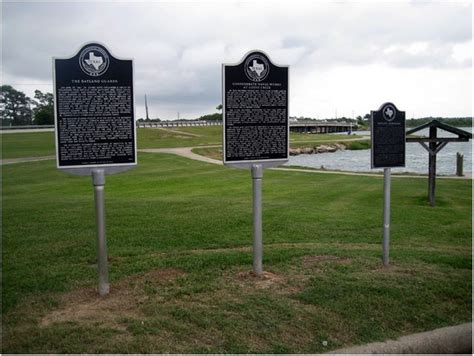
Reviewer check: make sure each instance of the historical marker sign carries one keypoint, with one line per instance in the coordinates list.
(388, 137)
(94, 109)
(255, 110)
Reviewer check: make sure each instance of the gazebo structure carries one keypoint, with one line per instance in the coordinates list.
(433, 144)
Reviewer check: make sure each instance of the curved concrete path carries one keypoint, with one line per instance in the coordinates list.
(25, 159)
(12, 131)
(184, 152)
(187, 153)
(449, 340)
(467, 176)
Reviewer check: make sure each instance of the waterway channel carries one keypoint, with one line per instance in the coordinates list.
(416, 158)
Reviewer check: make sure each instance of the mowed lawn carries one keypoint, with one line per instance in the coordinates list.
(37, 144)
(179, 239)
(27, 144)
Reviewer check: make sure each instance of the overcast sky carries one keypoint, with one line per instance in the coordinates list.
(345, 57)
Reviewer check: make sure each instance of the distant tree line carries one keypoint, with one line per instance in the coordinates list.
(212, 117)
(17, 109)
(364, 122)
(453, 121)
(148, 120)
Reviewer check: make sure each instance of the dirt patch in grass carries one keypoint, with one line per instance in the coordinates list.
(264, 281)
(123, 302)
(311, 261)
(87, 306)
(282, 284)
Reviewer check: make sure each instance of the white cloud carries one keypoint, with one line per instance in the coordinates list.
(338, 52)
(419, 92)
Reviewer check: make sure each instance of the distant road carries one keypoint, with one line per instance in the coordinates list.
(26, 130)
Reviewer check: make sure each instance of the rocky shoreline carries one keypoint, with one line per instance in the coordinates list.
(333, 147)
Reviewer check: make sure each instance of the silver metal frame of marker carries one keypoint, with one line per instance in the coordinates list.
(372, 135)
(86, 170)
(265, 163)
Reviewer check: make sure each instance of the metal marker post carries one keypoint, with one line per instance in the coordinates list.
(98, 180)
(71, 76)
(257, 175)
(432, 166)
(386, 216)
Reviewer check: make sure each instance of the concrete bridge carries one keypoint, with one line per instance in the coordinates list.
(168, 124)
(320, 127)
(305, 127)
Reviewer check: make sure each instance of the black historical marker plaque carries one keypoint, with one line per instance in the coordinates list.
(388, 137)
(94, 109)
(255, 110)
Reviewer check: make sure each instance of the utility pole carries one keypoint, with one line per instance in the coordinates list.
(146, 108)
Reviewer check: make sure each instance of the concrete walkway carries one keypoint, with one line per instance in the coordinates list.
(179, 151)
(184, 152)
(25, 130)
(449, 340)
(467, 176)
(187, 153)
(25, 159)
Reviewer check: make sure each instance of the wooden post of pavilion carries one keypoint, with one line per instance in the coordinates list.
(436, 144)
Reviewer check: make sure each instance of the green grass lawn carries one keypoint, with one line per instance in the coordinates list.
(27, 144)
(179, 241)
(37, 144)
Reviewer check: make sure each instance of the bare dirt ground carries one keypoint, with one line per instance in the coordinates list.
(86, 306)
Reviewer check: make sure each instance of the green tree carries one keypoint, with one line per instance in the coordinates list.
(219, 107)
(44, 111)
(15, 107)
(210, 117)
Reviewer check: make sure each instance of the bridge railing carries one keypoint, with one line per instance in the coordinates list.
(166, 124)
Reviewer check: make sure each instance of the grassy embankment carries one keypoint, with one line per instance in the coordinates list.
(179, 239)
(216, 152)
(38, 144)
(42, 143)
(299, 140)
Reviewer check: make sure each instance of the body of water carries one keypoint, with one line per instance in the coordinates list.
(416, 158)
